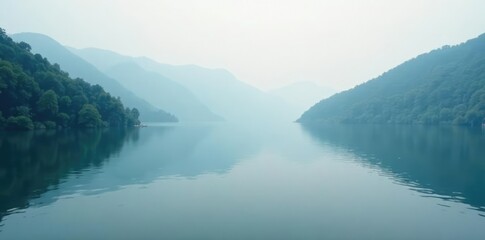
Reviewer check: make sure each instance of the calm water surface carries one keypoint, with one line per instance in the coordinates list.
(236, 181)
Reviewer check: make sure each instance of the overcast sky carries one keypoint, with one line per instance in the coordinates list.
(267, 43)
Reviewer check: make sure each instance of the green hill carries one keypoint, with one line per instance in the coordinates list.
(79, 68)
(37, 94)
(444, 86)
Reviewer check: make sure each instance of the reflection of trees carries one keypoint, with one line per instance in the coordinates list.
(32, 162)
(447, 161)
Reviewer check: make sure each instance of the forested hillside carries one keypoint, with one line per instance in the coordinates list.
(37, 94)
(444, 86)
(78, 68)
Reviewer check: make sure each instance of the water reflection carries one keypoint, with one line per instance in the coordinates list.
(37, 168)
(35, 162)
(441, 162)
(228, 181)
(167, 152)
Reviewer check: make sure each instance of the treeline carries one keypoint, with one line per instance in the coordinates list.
(444, 86)
(35, 94)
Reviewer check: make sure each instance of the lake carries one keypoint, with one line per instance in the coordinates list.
(243, 181)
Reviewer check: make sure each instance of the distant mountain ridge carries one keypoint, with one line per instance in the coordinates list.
(444, 86)
(217, 89)
(77, 67)
(162, 92)
(156, 88)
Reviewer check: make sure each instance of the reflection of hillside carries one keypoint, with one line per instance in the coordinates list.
(162, 151)
(34, 162)
(447, 161)
(36, 168)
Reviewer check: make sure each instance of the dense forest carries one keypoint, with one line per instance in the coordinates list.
(444, 86)
(35, 94)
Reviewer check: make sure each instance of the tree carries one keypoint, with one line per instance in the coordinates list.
(23, 111)
(20, 123)
(446, 115)
(47, 105)
(473, 117)
(63, 120)
(135, 113)
(50, 124)
(89, 117)
(25, 46)
(133, 117)
(64, 104)
(78, 101)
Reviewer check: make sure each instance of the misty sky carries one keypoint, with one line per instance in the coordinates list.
(267, 43)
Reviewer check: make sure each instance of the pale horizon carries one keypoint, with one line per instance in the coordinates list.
(267, 44)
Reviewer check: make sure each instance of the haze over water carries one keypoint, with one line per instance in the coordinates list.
(239, 181)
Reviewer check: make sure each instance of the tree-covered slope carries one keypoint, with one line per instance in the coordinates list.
(78, 67)
(446, 85)
(37, 94)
